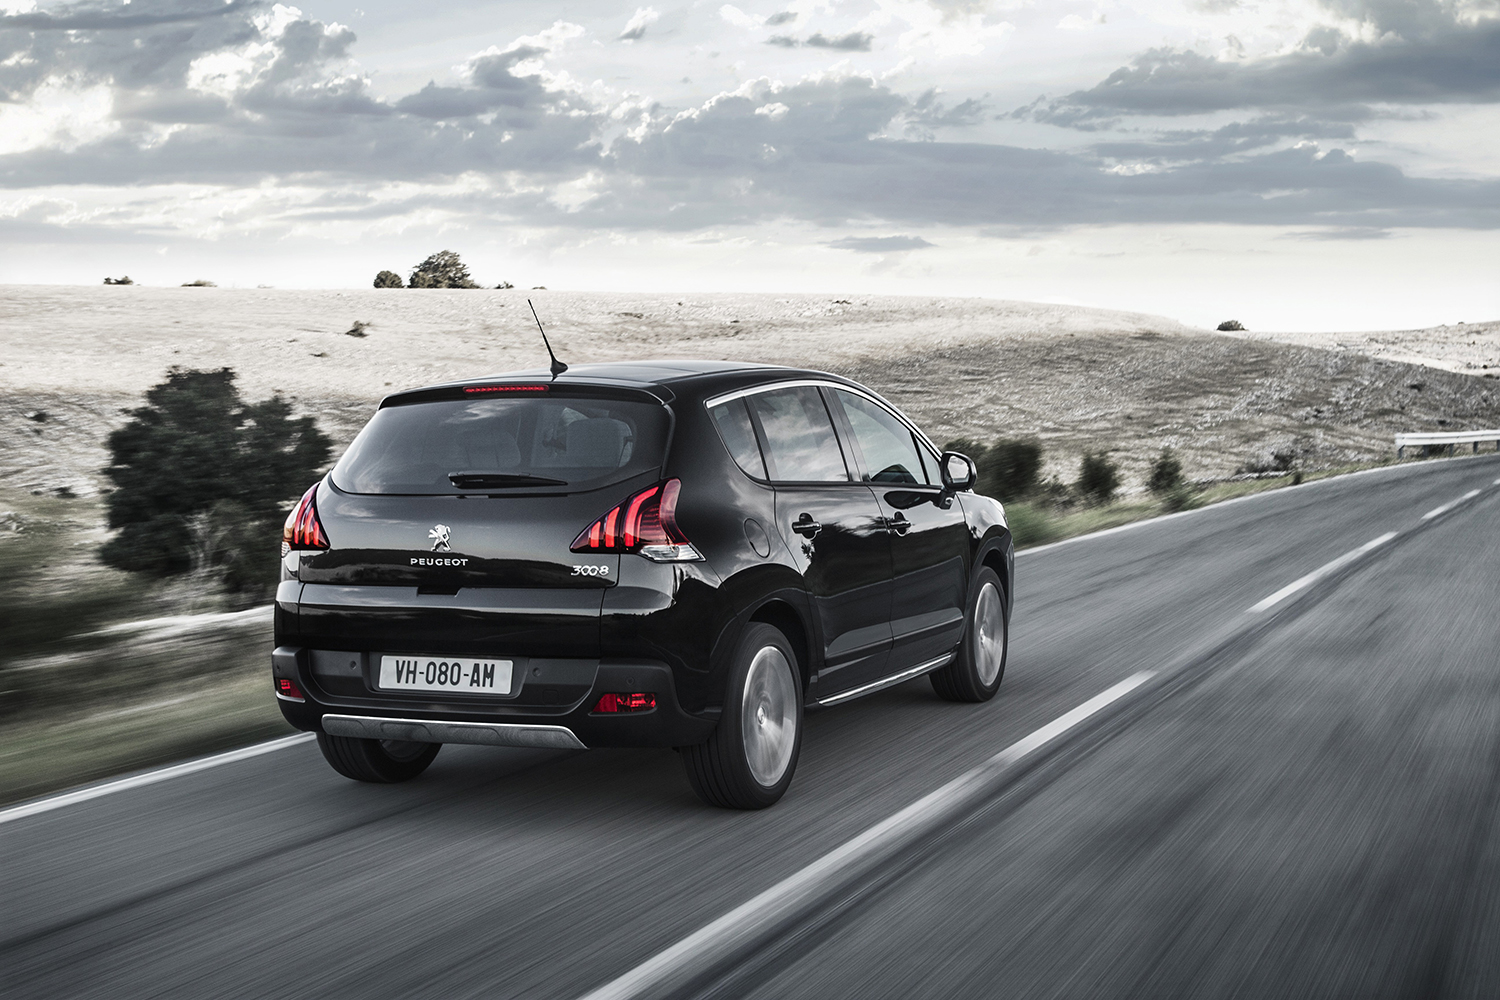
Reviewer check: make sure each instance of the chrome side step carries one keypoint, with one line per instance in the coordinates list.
(494, 734)
(891, 681)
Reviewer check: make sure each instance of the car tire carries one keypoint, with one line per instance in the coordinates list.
(975, 673)
(383, 762)
(749, 761)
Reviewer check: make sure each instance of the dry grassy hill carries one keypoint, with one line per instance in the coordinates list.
(72, 358)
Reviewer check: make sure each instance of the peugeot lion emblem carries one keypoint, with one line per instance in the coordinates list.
(439, 536)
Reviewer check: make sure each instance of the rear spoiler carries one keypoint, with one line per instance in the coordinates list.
(481, 388)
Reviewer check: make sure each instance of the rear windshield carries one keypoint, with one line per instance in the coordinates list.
(499, 445)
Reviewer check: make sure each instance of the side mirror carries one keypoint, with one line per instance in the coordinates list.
(959, 471)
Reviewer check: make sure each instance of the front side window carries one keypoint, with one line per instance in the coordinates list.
(799, 436)
(889, 449)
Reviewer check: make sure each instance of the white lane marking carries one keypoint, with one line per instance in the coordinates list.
(1445, 508)
(148, 778)
(1307, 581)
(744, 924)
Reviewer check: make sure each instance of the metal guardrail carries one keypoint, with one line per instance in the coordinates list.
(1403, 441)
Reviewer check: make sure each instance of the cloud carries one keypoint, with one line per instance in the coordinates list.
(854, 41)
(635, 28)
(781, 17)
(733, 15)
(1340, 233)
(929, 111)
(828, 160)
(194, 95)
(1234, 139)
(880, 244)
(260, 119)
(1417, 55)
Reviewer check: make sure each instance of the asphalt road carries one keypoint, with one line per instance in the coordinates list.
(1311, 816)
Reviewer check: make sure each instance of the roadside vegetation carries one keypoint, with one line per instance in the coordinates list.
(123, 650)
(1041, 511)
(82, 698)
(134, 647)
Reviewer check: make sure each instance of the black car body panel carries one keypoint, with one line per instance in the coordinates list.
(879, 587)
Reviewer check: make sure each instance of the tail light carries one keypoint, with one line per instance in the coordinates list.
(638, 701)
(303, 530)
(646, 523)
(287, 690)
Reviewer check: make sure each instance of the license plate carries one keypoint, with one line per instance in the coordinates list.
(445, 673)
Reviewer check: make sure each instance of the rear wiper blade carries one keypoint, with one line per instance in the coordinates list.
(493, 480)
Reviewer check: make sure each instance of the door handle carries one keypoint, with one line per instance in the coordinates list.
(806, 526)
(899, 524)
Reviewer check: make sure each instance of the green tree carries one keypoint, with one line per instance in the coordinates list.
(442, 270)
(388, 279)
(202, 479)
(1166, 473)
(1098, 478)
(1011, 469)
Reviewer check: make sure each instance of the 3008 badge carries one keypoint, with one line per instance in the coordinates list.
(591, 571)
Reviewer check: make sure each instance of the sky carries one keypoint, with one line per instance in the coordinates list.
(1294, 164)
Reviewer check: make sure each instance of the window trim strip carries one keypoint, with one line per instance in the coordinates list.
(755, 390)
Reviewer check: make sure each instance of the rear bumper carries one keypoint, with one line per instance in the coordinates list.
(550, 708)
(495, 734)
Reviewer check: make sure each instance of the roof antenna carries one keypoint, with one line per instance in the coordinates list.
(557, 366)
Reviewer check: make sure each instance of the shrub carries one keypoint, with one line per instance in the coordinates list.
(200, 283)
(1011, 469)
(201, 479)
(388, 279)
(503, 286)
(1098, 478)
(1230, 326)
(1166, 473)
(1279, 460)
(124, 280)
(442, 270)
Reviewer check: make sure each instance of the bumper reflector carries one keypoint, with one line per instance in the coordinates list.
(640, 701)
(287, 690)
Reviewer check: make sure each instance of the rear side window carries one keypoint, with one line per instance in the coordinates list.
(888, 446)
(482, 445)
(799, 435)
(733, 422)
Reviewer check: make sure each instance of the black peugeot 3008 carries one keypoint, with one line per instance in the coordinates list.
(683, 554)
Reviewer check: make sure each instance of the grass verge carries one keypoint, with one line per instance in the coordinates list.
(39, 756)
(1035, 524)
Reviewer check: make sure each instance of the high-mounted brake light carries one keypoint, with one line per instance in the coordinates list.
(637, 701)
(646, 523)
(303, 530)
(504, 388)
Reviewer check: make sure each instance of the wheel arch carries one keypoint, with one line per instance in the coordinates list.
(996, 553)
(780, 614)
